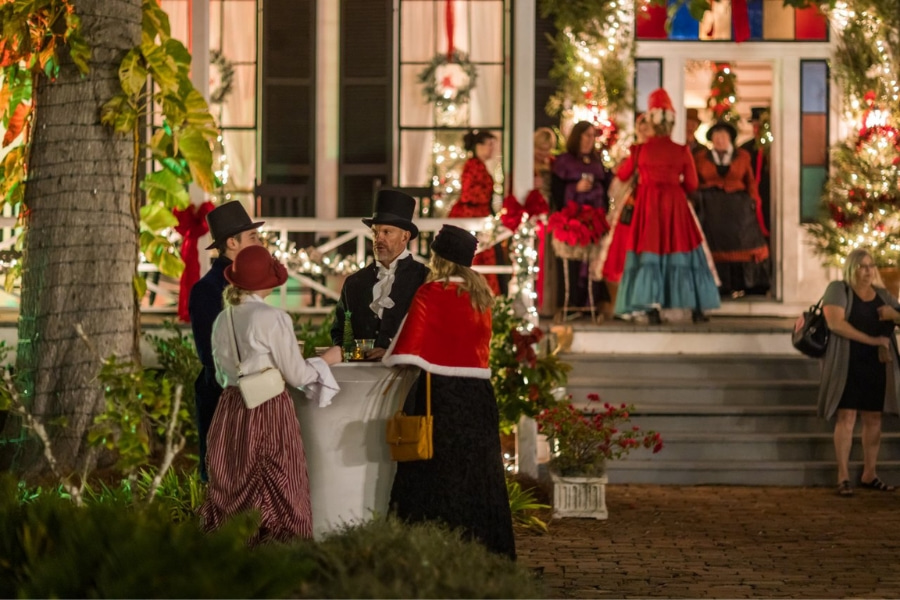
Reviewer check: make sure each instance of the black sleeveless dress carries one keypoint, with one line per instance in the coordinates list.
(866, 376)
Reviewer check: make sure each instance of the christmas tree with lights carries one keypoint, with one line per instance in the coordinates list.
(861, 200)
(723, 94)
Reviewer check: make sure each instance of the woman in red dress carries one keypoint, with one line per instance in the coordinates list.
(477, 192)
(666, 266)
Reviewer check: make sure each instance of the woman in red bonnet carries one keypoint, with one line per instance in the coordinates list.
(447, 334)
(255, 455)
(667, 264)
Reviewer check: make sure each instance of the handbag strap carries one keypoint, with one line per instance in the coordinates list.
(234, 345)
(427, 396)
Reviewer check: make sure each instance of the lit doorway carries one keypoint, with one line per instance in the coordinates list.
(751, 101)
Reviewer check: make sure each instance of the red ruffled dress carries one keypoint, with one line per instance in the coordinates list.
(475, 201)
(666, 265)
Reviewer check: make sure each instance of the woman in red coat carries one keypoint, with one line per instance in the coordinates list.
(729, 209)
(665, 262)
(477, 192)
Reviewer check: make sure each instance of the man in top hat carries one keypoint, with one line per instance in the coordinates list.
(760, 162)
(232, 230)
(378, 296)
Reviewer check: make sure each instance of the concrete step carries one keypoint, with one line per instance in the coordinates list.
(736, 419)
(681, 391)
(793, 473)
(794, 367)
(763, 447)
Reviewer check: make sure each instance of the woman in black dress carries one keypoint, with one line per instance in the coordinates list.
(447, 334)
(861, 355)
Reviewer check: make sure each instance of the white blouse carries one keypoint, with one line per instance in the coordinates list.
(265, 338)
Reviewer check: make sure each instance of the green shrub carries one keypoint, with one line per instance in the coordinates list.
(51, 548)
(385, 558)
(313, 335)
(111, 549)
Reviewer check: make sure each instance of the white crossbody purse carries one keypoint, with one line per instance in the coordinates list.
(256, 388)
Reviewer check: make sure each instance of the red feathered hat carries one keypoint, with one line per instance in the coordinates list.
(659, 99)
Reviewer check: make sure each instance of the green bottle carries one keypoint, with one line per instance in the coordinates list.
(348, 336)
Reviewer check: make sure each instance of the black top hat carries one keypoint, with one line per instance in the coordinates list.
(455, 244)
(393, 207)
(756, 112)
(228, 220)
(720, 126)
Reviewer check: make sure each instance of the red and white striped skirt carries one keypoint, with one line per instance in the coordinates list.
(256, 461)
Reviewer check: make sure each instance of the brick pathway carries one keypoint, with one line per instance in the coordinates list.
(724, 542)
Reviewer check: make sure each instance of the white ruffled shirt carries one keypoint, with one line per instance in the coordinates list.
(381, 291)
(726, 159)
(265, 338)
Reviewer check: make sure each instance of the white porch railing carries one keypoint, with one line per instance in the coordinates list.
(162, 292)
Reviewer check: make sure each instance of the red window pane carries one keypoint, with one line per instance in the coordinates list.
(811, 24)
(651, 22)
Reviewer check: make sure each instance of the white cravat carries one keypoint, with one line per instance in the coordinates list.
(726, 159)
(381, 291)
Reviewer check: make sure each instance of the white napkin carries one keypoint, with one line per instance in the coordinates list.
(325, 387)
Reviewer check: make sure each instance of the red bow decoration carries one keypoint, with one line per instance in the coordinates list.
(191, 226)
(512, 213)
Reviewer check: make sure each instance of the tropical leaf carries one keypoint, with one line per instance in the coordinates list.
(132, 73)
(156, 217)
(16, 123)
(161, 145)
(140, 288)
(173, 108)
(198, 115)
(162, 67)
(180, 55)
(167, 189)
(195, 148)
(119, 113)
(155, 22)
(159, 251)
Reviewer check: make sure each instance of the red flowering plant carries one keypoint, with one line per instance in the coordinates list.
(584, 440)
(578, 224)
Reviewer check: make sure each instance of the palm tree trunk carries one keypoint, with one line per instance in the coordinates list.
(80, 251)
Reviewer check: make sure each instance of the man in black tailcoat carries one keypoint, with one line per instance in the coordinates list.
(378, 296)
(232, 231)
(760, 163)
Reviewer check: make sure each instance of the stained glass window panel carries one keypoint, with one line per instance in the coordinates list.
(811, 24)
(815, 140)
(814, 86)
(651, 22)
(811, 184)
(684, 26)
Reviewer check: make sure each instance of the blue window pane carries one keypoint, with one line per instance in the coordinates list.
(684, 26)
(647, 77)
(755, 12)
(814, 86)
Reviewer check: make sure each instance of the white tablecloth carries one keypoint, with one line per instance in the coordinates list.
(350, 467)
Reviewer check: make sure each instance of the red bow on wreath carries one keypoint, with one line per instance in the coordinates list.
(191, 226)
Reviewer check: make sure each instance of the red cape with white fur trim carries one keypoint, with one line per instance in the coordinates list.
(443, 334)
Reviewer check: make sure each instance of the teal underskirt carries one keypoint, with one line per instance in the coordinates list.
(679, 280)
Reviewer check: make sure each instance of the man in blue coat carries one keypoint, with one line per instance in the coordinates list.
(378, 296)
(232, 230)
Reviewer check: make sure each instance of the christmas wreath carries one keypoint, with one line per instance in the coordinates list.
(221, 77)
(449, 81)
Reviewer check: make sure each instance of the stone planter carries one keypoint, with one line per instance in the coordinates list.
(579, 497)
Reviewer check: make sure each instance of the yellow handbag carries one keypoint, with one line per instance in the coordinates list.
(409, 437)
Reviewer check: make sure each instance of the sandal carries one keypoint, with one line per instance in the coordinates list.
(876, 484)
(844, 489)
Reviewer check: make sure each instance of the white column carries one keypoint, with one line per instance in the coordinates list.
(328, 54)
(200, 78)
(522, 124)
